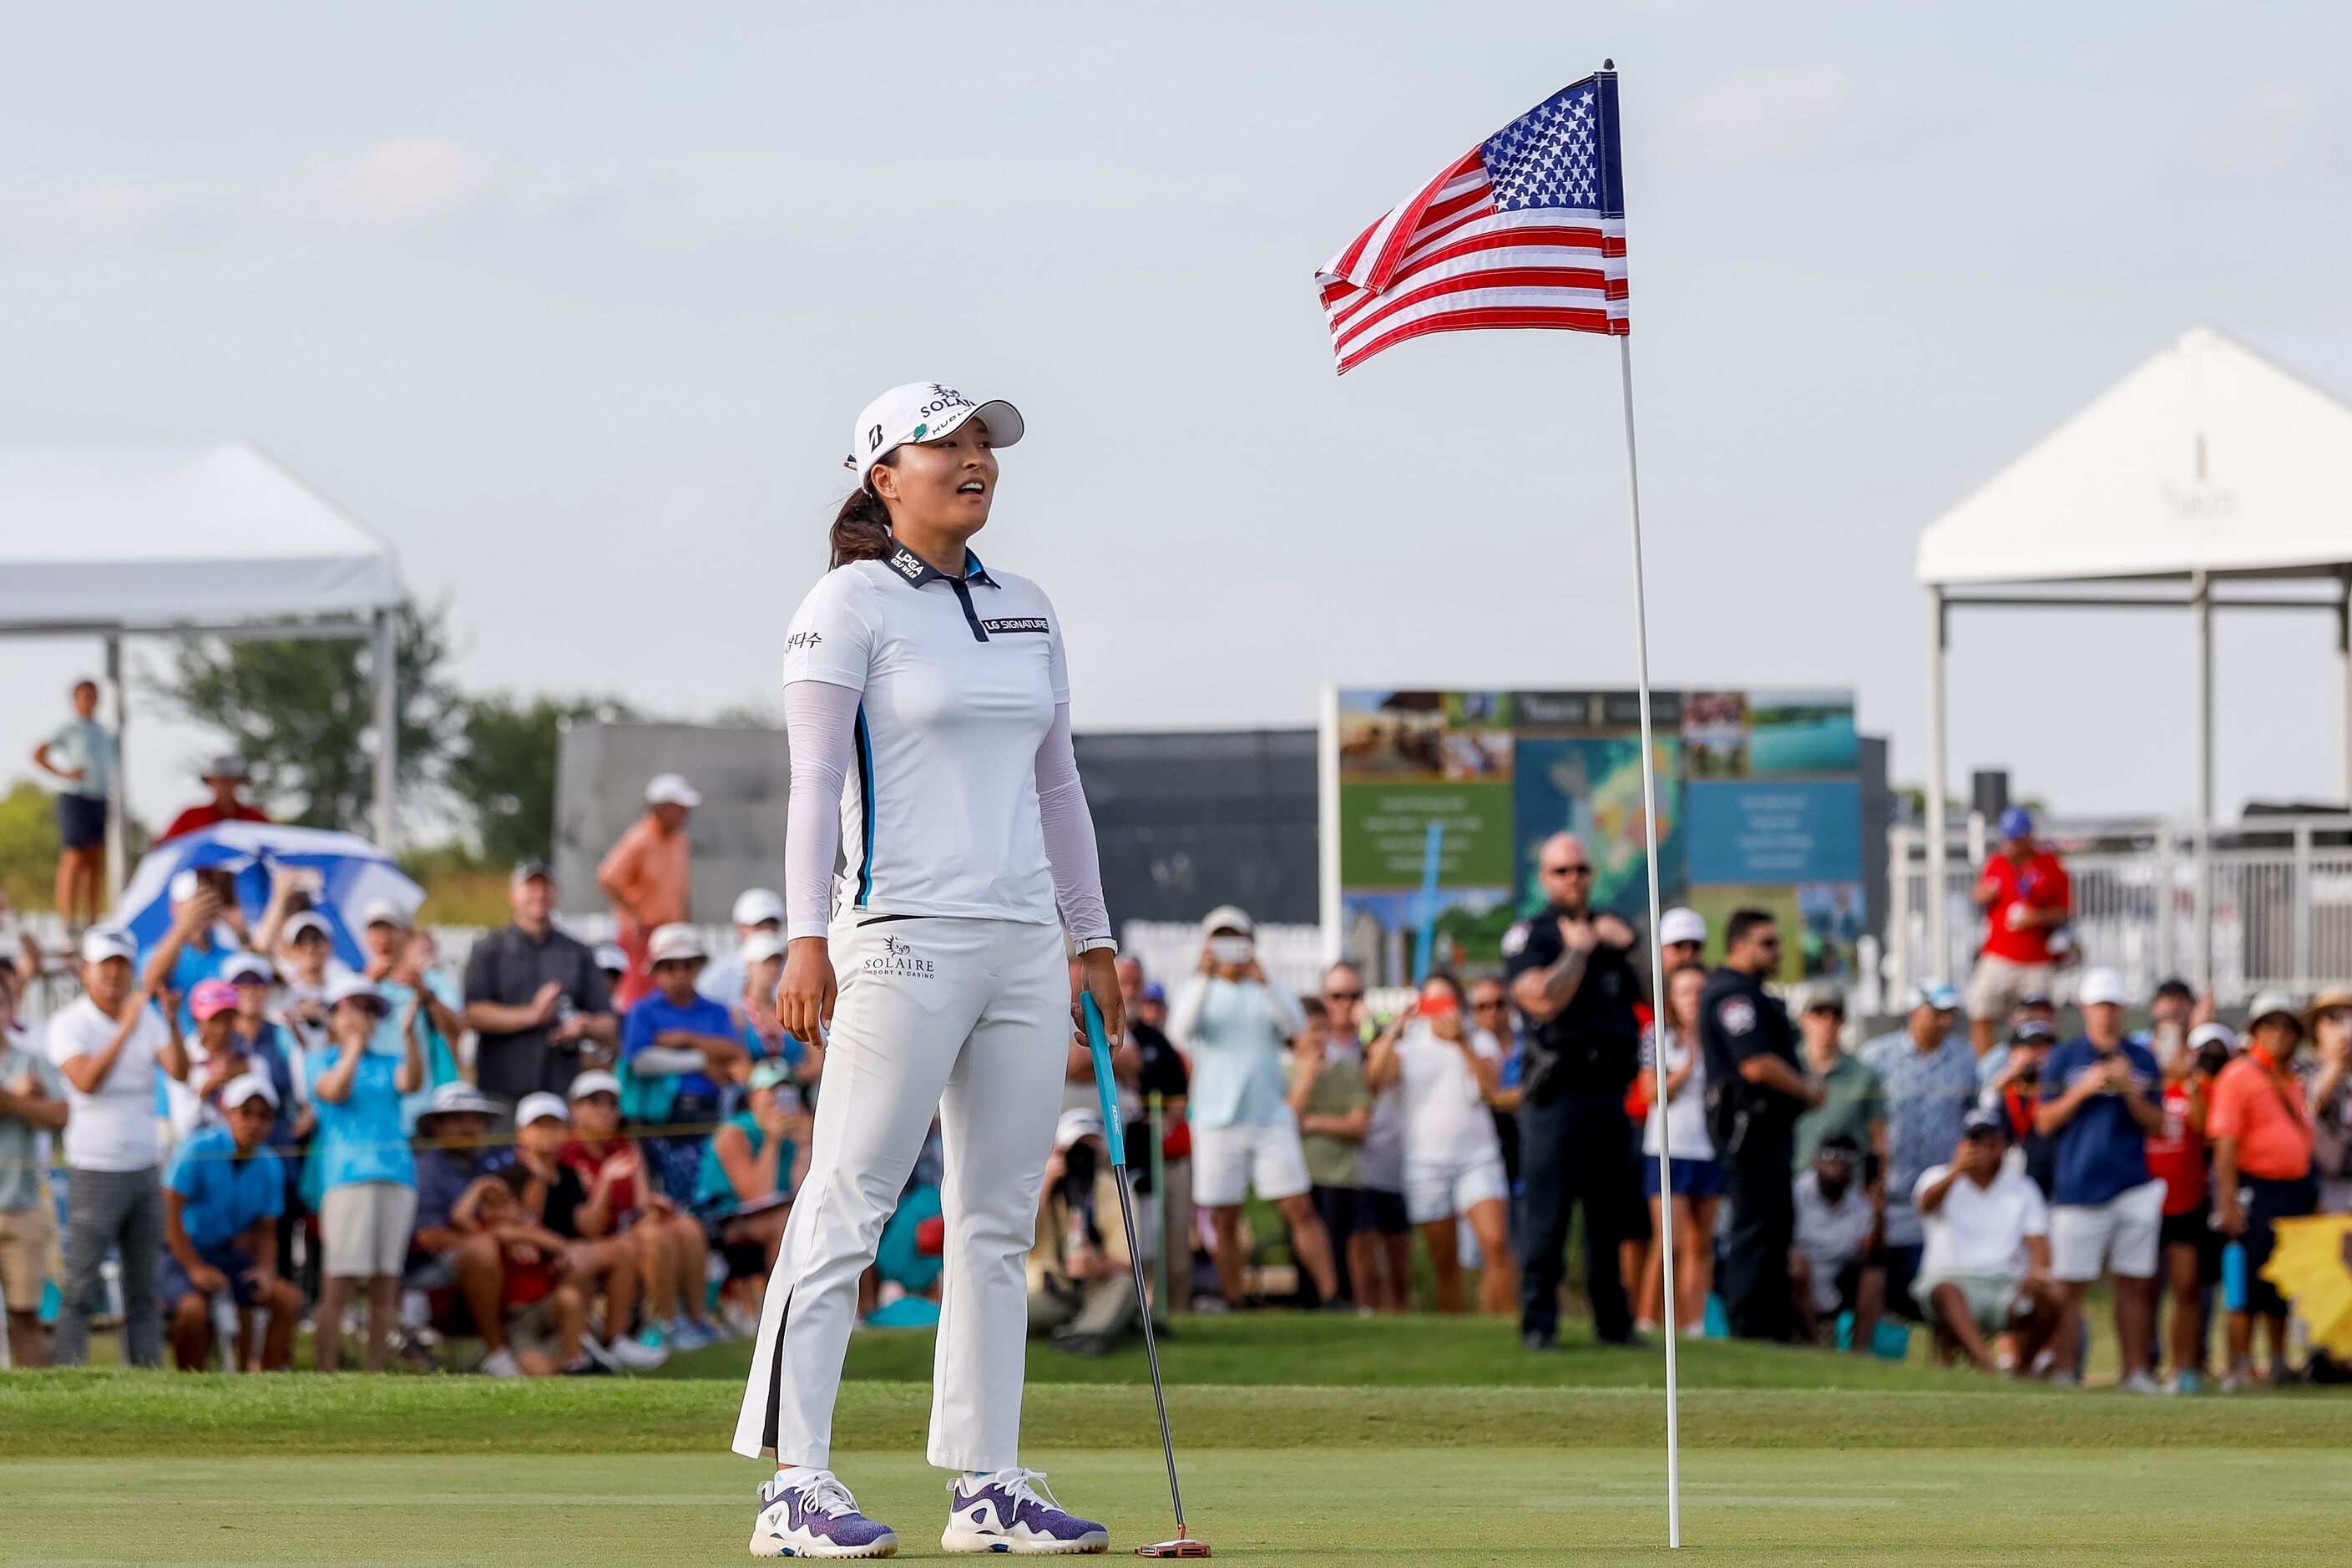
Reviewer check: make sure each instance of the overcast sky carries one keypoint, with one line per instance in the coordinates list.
(575, 304)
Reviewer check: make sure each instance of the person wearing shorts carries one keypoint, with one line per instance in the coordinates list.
(1984, 1270)
(81, 757)
(1235, 1021)
(2102, 1100)
(2260, 1129)
(2189, 1245)
(2025, 896)
(1380, 1253)
(1450, 1071)
(364, 1167)
(1693, 1181)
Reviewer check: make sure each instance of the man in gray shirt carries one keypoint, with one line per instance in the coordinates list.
(32, 1103)
(534, 997)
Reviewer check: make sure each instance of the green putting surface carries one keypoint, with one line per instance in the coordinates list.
(1301, 1506)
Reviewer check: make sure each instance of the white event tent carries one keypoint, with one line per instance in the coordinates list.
(2206, 465)
(187, 541)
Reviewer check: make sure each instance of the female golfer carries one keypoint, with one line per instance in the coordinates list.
(927, 707)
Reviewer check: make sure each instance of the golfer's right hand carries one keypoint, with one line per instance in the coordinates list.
(804, 996)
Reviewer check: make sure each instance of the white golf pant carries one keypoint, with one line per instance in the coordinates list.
(970, 1018)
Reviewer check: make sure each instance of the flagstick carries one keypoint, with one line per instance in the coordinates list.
(1657, 956)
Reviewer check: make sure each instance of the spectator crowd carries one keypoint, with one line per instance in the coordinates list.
(559, 1159)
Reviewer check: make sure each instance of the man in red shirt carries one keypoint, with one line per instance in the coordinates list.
(224, 776)
(2025, 896)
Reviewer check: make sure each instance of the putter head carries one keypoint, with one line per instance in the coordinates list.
(1183, 1546)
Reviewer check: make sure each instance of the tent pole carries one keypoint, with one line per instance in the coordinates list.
(2204, 603)
(118, 803)
(2344, 672)
(1938, 913)
(387, 726)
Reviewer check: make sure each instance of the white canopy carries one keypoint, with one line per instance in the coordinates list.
(2206, 459)
(191, 541)
(2207, 463)
(153, 539)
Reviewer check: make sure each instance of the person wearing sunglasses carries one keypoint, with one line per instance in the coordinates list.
(1571, 977)
(1759, 1091)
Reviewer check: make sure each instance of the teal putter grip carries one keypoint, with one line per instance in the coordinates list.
(1105, 1086)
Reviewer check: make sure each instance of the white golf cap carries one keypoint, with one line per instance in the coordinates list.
(763, 945)
(757, 904)
(347, 986)
(1228, 917)
(1078, 1121)
(99, 943)
(246, 967)
(248, 1086)
(308, 921)
(384, 912)
(1681, 925)
(539, 1107)
(2103, 987)
(671, 789)
(611, 956)
(462, 1098)
(673, 941)
(923, 411)
(184, 885)
(2204, 1034)
(595, 1081)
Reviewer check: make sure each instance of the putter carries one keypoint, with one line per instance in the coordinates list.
(1114, 1134)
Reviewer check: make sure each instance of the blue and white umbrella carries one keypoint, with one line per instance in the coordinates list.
(354, 874)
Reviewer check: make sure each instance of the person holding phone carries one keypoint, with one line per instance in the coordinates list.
(365, 1169)
(926, 699)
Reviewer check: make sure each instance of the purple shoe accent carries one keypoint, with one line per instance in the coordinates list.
(1020, 1500)
(821, 1509)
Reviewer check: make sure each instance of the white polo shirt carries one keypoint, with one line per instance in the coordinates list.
(114, 1129)
(958, 683)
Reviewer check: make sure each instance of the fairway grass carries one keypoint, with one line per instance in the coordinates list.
(1301, 1509)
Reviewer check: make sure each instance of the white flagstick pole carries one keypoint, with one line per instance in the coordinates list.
(1657, 956)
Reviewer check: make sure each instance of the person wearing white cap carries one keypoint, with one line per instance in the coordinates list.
(648, 874)
(1681, 938)
(1929, 1075)
(681, 1047)
(108, 1045)
(223, 1194)
(595, 1263)
(1081, 1286)
(400, 964)
(2102, 1100)
(365, 1164)
(927, 697)
(2191, 1246)
(757, 910)
(624, 1200)
(1236, 1020)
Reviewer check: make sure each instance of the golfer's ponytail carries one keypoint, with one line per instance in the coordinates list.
(861, 530)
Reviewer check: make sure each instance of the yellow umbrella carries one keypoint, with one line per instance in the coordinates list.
(2311, 1264)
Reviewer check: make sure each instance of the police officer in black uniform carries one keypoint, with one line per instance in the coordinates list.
(1572, 978)
(1755, 1090)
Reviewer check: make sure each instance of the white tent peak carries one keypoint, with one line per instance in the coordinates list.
(2206, 457)
(150, 538)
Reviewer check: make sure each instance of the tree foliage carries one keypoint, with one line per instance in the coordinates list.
(503, 767)
(302, 714)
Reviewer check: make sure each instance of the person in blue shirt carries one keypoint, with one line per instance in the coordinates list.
(680, 1046)
(207, 927)
(363, 1171)
(2102, 1096)
(223, 1193)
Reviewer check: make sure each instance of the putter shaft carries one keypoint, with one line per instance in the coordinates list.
(1151, 1346)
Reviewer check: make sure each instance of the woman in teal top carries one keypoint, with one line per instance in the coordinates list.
(753, 1162)
(360, 1164)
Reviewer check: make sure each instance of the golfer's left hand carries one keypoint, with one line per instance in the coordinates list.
(1100, 969)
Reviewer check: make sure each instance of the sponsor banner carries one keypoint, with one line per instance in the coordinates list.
(1756, 831)
(1384, 834)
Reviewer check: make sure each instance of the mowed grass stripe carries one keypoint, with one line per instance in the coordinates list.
(65, 1415)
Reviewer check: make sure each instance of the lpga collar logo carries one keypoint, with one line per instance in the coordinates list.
(897, 960)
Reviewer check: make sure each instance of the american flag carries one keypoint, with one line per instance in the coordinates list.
(1526, 230)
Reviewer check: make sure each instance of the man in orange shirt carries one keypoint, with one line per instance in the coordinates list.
(648, 874)
(2261, 1134)
(2026, 897)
